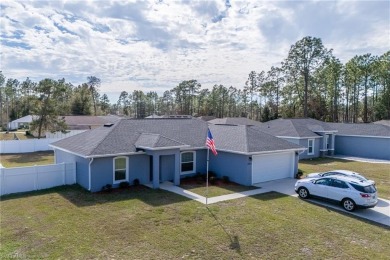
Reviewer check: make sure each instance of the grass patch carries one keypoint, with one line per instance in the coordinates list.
(379, 172)
(219, 189)
(27, 159)
(141, 223)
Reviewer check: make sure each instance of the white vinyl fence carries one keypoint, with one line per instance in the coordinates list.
(26, 146)
(22, 179)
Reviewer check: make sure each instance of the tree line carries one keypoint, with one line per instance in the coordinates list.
(309, 82)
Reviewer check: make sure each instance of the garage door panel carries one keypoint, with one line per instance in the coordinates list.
(270, 167)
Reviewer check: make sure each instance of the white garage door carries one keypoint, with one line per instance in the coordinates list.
(268, 167)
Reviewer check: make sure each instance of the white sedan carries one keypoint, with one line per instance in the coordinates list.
(340, 173)
(351, 193)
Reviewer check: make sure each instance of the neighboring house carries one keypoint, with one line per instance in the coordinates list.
(158, 150)
(234, 121)
(88, 122)
(362, 140)
(22, 122)
(317, 136)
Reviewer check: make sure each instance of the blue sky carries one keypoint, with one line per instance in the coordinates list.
(154, 45)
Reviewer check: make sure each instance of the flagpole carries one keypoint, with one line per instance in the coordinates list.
(207, 175)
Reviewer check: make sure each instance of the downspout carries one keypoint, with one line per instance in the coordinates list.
(89, 173)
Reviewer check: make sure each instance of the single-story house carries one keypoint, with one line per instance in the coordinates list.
(158, 150)
(317, 136)
(88, 122)
(362, 140)
(22, 122)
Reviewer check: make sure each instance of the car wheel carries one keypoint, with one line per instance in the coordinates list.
(303, 193)
(348, 204)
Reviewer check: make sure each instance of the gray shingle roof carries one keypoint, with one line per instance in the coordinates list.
(128, 134)
(234, 121)
(361, 129)
(383, 122)
(246, 139)
(156, 141)
(295, 127)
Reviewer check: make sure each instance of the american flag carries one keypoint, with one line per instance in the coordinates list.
(210, 142)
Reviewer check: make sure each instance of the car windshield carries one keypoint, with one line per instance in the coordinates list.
(365, 189)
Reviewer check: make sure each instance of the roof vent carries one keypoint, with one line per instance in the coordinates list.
(108, 124)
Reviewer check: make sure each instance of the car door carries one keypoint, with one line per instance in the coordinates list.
(337, 190)
(320, 188)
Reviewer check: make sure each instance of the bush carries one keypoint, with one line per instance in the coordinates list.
(124, 184)
(299, 174)
(212, 174)
(107, 187)
(136, 182)
(213, 180)
(225, 179)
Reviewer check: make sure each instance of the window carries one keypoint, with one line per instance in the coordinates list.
(187, 161)
(310, 146)
(120, 169)
(325, 182)
(339, 184)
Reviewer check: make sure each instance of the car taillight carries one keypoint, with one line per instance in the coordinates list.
(364, 195)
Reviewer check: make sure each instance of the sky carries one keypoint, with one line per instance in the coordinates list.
(155, 45)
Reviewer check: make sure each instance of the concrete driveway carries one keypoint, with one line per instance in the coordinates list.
(379, 214)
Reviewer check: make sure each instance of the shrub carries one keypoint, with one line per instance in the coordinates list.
(136, 182)
(213, 180)
(225, 179)
(212, 174)
(299, 174)
(107, 187)
(124, 184)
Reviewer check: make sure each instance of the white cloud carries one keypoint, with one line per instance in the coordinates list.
(155, 45)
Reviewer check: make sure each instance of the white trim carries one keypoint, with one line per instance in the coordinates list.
(65, 150)
(299, 138)
(263, 152)
(370, 136)
(162, 148)
(327, 131)
(110, 155)
(323, 150)
(193, 161)
(113, 169)
(308, 146)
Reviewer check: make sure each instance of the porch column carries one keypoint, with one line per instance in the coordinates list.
(177, 169)
(332, 144)
(156, 171)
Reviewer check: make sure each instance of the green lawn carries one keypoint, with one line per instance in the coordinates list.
(27, 159)
(215, 190)
(141, 223)
(379, 172)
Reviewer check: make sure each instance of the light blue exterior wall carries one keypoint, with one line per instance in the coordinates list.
(368, 147)
(102, 171)
(82, 166)
(236, 166)
(201, 160)
(304, 142)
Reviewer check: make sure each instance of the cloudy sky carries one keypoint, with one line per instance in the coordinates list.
(154, 45)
